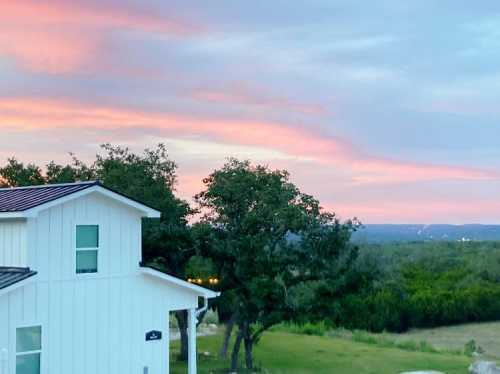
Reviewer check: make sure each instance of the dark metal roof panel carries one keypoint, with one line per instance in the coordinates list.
(19, 199)
(13, 275)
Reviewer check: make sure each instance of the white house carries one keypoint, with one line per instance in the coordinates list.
(74, 298)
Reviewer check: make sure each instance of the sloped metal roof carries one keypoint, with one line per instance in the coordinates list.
(19, 199)
(13, 275)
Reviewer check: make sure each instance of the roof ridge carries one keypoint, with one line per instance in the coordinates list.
(94, 182)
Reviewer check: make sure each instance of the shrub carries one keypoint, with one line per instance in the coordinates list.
(470, 347)
(309, 328)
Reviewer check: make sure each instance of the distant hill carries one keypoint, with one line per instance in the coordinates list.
(382, 233)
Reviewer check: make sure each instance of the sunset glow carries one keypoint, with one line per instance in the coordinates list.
(386, 124)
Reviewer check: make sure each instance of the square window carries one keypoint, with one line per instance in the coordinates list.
(86, 261)
(28, 350)
(87, 236)
(28, 339)
(28, 364)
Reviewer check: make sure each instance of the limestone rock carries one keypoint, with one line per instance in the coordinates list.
(484, 367)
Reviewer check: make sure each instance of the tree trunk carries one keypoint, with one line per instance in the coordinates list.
(236, 352)
(181, 317)
(200, 317)
(227, 337)
(248, 349)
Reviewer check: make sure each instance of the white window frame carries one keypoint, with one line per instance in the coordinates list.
(98, 249)
(40, 351)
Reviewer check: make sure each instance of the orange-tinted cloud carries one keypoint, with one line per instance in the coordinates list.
(66, 36)
(302, 144)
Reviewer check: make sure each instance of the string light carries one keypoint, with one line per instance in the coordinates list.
(212, 281)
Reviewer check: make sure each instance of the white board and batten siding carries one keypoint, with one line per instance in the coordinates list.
(13, 243)
(91, 323)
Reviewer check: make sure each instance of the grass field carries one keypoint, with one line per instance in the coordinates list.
(486, 335)
(280, 352)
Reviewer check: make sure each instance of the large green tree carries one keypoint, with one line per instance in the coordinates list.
(274, 247)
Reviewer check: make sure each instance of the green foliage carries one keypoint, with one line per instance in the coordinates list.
(16, 173)
(275, 249)
(308, 328)
(425, 285)
(470, 347)
(200, 267)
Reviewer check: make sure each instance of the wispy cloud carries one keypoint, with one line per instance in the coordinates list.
(240, 95)
(423, 211)
(62, 36)
(30, 115)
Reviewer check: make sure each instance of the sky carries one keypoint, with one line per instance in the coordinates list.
(388, 111)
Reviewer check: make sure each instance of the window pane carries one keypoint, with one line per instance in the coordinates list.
(86, 262)
(28, 364)
(28, 339)
(87, 236)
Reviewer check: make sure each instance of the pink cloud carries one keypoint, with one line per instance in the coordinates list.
(66, 36)
(48, 51)
(418, 210)
(240, 95)
(90, 14)
(324, 151)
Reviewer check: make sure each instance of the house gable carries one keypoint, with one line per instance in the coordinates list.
(91, 322)
(24, 202)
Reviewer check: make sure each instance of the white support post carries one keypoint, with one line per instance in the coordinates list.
(192, 341)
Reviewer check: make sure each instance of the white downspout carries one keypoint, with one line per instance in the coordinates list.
(203, 308)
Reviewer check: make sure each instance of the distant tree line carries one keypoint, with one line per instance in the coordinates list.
(422, 284)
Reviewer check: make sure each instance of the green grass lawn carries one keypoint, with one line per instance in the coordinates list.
(280, 352)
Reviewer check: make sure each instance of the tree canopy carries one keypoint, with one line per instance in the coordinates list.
(274, 246)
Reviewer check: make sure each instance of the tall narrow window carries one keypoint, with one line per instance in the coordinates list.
(87, 247)
(28, 350)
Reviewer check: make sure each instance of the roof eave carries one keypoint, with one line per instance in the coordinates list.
(28, 279)
(201, 291)
(12, 215)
